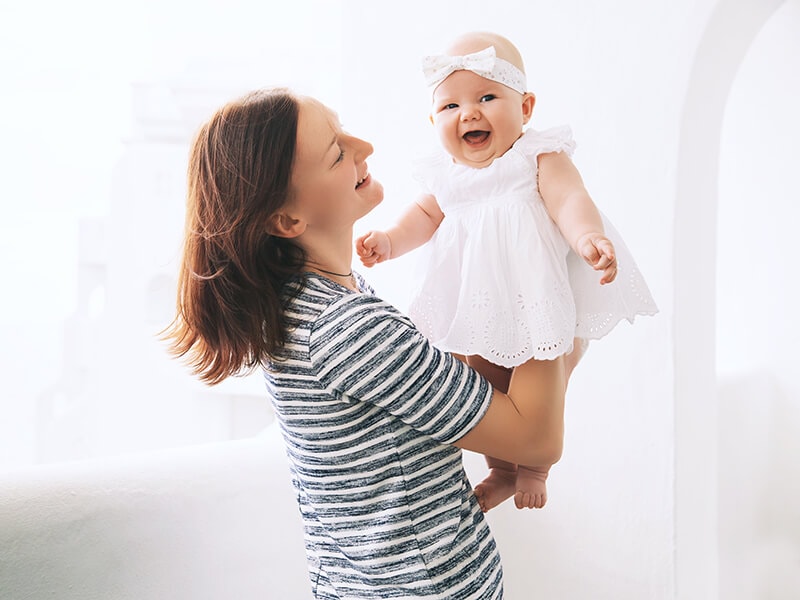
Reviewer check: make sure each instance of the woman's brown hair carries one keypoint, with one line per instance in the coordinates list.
(230, 285)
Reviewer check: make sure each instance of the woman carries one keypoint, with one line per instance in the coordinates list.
(372, 415)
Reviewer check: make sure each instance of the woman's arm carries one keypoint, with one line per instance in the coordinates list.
(525, 426)
(572, 209)
(415, 227)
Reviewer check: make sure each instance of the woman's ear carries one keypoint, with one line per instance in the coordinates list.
(282, 225)
(528, 102)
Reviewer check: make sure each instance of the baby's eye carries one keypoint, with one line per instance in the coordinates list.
(488, 97)
(450, 106)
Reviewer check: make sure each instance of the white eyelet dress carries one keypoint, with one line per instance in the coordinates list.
(498, 279)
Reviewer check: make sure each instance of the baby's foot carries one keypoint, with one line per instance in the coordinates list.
(531, 491)
(498, 486)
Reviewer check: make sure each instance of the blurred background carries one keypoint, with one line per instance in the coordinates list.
(682, 453)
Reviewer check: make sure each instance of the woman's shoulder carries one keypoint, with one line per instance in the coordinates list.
(311, 294)
(322, 312)
(339, 303)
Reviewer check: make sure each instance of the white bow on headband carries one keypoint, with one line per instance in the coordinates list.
(484, 63)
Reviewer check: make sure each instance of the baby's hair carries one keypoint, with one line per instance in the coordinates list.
(475, 41)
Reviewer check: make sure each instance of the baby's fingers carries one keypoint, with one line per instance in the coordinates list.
(364, 245)
(599, 253)
(609, 273)
(605, 253)
(365, 253)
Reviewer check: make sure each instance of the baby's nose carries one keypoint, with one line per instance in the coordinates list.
(470, 113)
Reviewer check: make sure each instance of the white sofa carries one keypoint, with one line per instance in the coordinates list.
(210, 522)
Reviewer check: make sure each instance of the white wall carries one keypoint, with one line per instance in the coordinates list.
(757, 320)
(633, 508)
(703, 559)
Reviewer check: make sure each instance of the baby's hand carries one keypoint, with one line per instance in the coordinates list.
(374, 247)
(597, 250)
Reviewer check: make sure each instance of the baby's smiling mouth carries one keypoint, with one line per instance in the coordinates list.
(474, 138)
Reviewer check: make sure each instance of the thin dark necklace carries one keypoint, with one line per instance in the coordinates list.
(337, 274)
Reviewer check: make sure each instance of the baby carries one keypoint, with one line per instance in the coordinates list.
(520, 265)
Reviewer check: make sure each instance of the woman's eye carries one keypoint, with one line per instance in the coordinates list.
(340, 157)
(488, 97)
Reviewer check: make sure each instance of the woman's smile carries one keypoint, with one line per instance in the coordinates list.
(363, 181)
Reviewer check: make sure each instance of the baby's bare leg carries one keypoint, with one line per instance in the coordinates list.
(500, 484)
(579, 348)
(498, 376)
(531, 489)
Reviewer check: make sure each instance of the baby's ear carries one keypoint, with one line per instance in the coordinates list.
(282, 225)
(528, 102)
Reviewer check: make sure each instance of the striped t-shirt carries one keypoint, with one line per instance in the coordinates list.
(368, 410)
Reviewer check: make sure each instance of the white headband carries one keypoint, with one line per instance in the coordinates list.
(484, 63)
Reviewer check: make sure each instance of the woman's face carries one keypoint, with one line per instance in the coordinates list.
(330, 183)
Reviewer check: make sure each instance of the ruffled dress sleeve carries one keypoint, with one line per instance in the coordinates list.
(556, 139)
(428, 171)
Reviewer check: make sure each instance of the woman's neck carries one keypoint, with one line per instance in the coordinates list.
(333, 259)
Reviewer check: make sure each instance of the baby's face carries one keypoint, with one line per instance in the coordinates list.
(478, 119)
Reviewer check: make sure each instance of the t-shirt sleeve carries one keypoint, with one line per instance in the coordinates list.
(365, 350)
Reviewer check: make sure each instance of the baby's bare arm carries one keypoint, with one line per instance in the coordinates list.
(415, 227)
(577, 216)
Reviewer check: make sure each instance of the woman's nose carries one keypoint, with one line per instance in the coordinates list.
(361, 148)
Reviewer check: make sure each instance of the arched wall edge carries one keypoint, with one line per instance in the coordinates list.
(731, 29)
